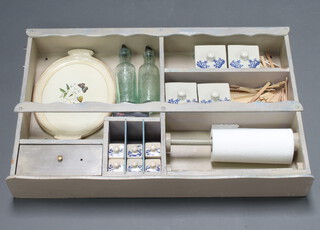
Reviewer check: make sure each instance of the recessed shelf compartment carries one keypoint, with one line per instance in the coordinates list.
(244, 77)
(131, 132)
(33, 133)
(48, 49)
(179, 49)
(196, 159)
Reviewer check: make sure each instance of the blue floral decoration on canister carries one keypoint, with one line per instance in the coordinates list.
(211, 101)
(136, 154)
(138, 168)
(157, 169)
(176, 101)
(236, 64)
(253, 63)
(202, 64)
(218, 63)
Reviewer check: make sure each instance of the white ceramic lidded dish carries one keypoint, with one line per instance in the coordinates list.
(181, 92)
(213, 92)
(210, 56)
(240, 56)
(76, 78)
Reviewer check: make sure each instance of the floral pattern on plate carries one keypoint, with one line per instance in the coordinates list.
(73, 93)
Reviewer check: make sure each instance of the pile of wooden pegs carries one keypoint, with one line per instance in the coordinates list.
(269, 93)
(267, 62)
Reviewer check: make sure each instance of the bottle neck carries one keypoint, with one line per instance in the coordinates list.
(148, 60)
(125, 58)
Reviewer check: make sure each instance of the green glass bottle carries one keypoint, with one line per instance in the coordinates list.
(125, 77)
(148, 78)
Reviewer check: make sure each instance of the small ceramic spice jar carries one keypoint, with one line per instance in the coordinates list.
(213, 92)
(116, 150)
(181, 92)
(116, 165)
(134, 165)
(152, 150)
(243, 56)
(210, 56)
(153, 165)
(134, 150)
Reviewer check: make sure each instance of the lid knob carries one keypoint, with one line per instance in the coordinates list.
(116, 165)
(116, 149)
(210, 56)
(134, 164)
(215, 95)
(244, 55)
(182, 94)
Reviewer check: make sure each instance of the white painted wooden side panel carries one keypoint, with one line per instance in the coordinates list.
(32, 187)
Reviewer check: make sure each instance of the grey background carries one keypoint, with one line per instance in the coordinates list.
(236, 213)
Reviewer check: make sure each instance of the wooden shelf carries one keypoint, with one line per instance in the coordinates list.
(251, 77)
(98, 107)
(61, 142)
(227, 70)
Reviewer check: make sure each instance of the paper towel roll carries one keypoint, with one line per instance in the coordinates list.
(267, 146)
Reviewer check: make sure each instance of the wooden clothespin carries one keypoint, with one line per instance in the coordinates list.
(255, 97)
(270, 60)
(263, 62)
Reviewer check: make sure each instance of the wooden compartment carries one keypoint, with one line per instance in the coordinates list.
(179, 49)
(198, 160)
(44, 50)
(193, 176)
(130, 130)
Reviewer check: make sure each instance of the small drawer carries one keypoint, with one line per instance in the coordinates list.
(116, 150)
(181, 92)
(210, 56)
(116, 165)
(59, 160)
(243, 56)
(213, 92)
(134, 150)
(153, 150)
(134, 165)
(153, 165)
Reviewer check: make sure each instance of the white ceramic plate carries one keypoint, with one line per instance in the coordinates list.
(76, 78)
